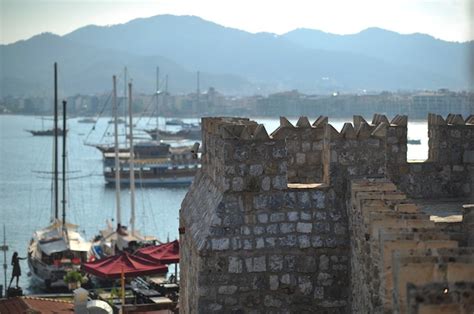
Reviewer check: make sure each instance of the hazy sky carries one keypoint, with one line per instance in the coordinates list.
(445, 19)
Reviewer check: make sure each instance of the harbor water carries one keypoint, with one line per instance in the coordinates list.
(26, 181)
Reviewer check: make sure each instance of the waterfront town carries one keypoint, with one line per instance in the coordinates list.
(288, 103)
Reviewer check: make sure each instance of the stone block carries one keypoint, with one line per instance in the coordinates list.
(277, 217)
(300, 158)
(293, 216)
(255, 170)
(407, 208)
(255, 264)
(275, 263)
(262, 218)
(230, 289)
(266, 184)
(273, 282)
(303, 227)
(279, 182)
(304, 242)
(468, 157)
(305, 286)
(287, 227)
(235, 265)
(220, 244)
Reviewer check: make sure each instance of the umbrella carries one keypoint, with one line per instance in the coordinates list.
(126, 264)
(167, 253)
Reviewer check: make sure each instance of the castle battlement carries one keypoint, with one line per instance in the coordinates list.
(293, 220)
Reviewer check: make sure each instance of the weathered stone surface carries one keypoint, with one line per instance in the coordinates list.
(274, 224)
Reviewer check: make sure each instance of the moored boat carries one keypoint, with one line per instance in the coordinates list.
(55, 250)
(87, 120)
(184, 134)
(176, 167)
(47, 132)
(58, 248)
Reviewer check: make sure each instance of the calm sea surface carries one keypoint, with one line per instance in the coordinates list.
(25, 182)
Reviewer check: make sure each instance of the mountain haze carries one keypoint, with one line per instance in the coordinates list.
(231, 60)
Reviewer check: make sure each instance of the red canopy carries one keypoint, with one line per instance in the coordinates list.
(167, 253)
(130, 265)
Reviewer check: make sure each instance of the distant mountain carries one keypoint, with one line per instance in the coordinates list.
(27, 69)
(415, 50)
(232, 60)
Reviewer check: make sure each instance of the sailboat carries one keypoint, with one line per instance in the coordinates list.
(57, 248)
(111, 240)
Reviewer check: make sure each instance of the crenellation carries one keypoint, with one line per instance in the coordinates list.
(320, 121)
(379, 118)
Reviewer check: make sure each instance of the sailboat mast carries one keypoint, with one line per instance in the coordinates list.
(117, 161)
(165, 99)
(56, 171)
(64, 165)
(125, 115)
(131, 161)
(157, 103)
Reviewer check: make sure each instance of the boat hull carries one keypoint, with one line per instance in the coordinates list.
(45, 276)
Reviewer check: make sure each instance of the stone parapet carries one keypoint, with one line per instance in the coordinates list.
(394, 245)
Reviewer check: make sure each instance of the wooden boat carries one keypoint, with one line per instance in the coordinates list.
(176, 167)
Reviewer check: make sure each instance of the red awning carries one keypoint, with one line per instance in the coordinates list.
(167, 253)
(130, 265)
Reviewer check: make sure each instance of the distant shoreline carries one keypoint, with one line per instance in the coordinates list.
(346, 118)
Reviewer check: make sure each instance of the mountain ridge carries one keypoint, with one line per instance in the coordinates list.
(240, 62)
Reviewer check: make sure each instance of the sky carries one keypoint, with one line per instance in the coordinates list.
(445, 19)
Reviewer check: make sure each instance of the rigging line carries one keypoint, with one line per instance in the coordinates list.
(98, 116)
(50, 172)
(152, 115)
(150, 102)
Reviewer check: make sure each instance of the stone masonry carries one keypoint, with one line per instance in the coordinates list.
(270, 226)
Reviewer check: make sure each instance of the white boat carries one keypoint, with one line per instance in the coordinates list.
(54, 251)
(59, 247)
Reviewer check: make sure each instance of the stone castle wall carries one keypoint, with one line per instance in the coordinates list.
(265, 225)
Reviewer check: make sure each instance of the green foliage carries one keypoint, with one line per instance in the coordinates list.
(74, 276)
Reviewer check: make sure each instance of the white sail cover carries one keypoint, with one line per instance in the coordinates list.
(49, 248)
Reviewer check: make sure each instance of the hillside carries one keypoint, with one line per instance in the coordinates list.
(233, 61)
